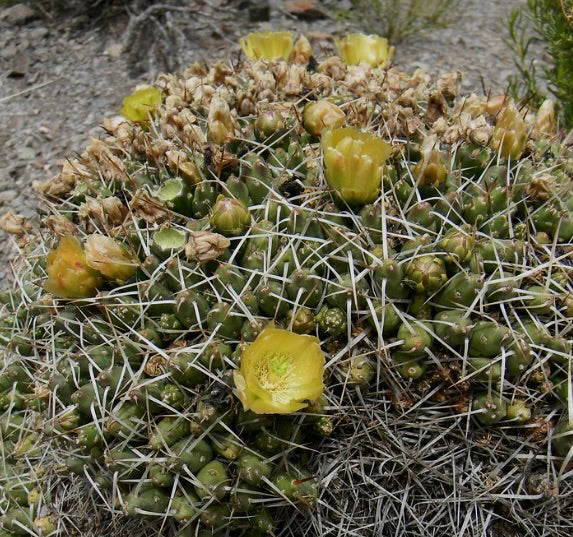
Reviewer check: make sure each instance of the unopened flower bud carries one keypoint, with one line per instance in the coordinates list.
(509, 135)
(230, 216)
(431, 169)
(269, 122)
(321, 115)
(45, 525)
(545, 118)
(518, 411)
(426, 274)
(34, 496)
(219, 121)
(459, 245)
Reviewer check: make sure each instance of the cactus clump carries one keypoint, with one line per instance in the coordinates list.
(398, 244)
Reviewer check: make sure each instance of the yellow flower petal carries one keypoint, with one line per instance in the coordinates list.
(260, 406)
(371, 49)
(279, 371)
(267, 45)
(141, 104)
(69, 276)
(353, 164)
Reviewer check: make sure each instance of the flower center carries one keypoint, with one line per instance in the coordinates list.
(279, 364)
(274, 374)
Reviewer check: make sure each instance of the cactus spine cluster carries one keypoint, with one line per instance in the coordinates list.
(422, 237)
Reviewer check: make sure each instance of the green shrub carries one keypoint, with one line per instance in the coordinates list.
(551, 23)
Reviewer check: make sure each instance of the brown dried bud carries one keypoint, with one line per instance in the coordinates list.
(302, 51)
(63, 183)
(114, 210)
(147, 207)
(437, 107)
(180, 162)
(119, 127)
(321, 115)
(540, 188)
(204, 246)
(510, 133)
(333, 67)
(106, 212)
(220, 72)
(15, 224)
(105, 159)
(109, 257)
(155, 366)
(59, 225)
(449, 84)
(245, 103)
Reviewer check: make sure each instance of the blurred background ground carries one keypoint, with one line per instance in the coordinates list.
(63, 69)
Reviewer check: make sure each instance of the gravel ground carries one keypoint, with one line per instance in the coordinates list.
(58, 82)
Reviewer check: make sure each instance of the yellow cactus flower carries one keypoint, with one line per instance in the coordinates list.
(510, 133)
(109, 257)
(371, 49)
(140, 104)
(267, 45)
(353, 164)
(69, 275)
(321, 115)
(280, 372)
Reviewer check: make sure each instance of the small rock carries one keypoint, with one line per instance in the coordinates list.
(38, 33)
(305, 9)
(113, 51)
(19, 65)
(8, 52)
(259, 11)
(8, 195)
(18, 14)
(25, 153)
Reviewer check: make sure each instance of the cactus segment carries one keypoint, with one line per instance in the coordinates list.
(490, 408)
(213, 481)
(253, 469)
(168, 431)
